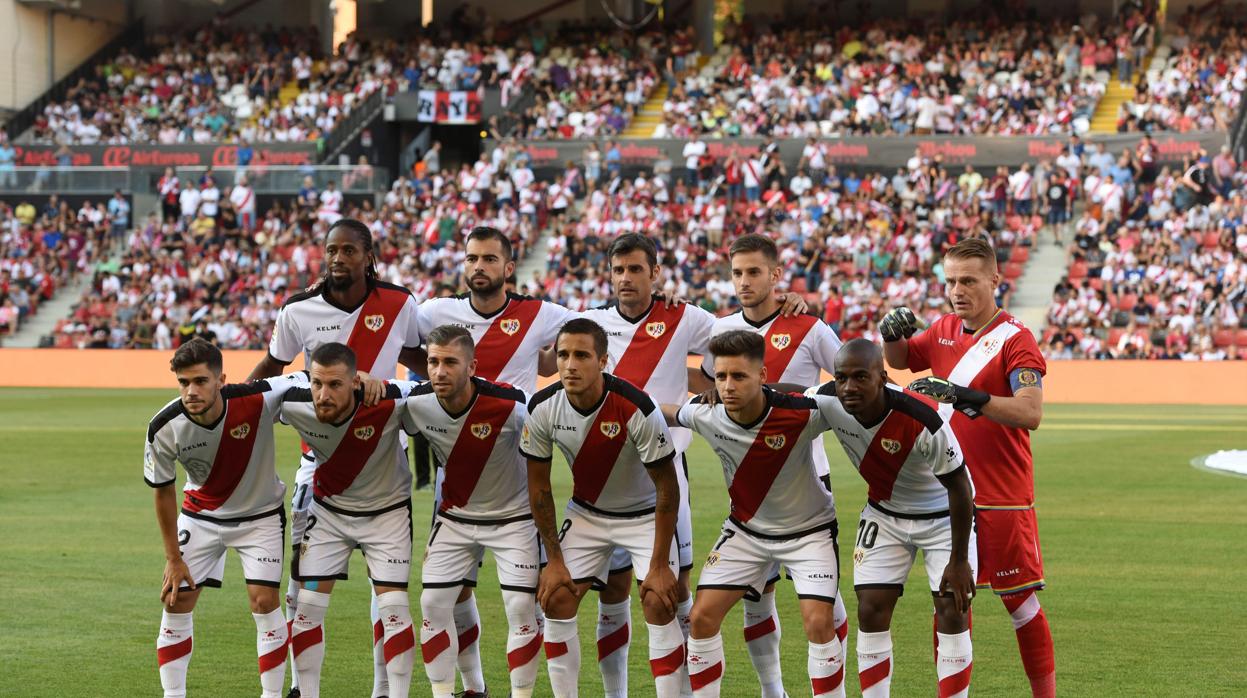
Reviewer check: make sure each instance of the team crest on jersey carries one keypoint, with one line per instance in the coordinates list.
(655, 329)
(364, 433)
(609, 429)
(781, 341)
(374, 322)
(891, 445)
(240, 431)
(775, 441)
(482, 430)
(509, 326)
(990, 347)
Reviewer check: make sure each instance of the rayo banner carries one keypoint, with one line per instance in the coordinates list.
(190, 155)
(442, 107)
(873, 152)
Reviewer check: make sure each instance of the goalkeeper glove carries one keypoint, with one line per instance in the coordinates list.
(967, 401)
(898, 324)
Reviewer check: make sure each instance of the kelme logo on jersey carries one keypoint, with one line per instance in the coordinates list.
(482, 430)
(365, 433)
(890, 445)
(240, 431)
(781, 341)
(609, 429)
(374, 322)
(775, 441)
(510, 326)
(655, 329)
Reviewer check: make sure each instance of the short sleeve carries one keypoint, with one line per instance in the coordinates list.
(920, 350)
(159, 459)
(556, 317)
(535, 440)
(687, 416)
(1021, 351)
(413, 335)
(424, 319)
(286, 343)
(825, 346)
(648, 434)
(828, 407)
(278, 386)
(700, 325)
(942, 450)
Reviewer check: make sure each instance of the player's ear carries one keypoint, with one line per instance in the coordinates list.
(763, 374)
(355, 381)
(220, 378)
(472, 368)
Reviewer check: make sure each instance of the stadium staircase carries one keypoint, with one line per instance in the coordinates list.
(51, 313)
(1044, 269)
(1104, 119)
(650, 114)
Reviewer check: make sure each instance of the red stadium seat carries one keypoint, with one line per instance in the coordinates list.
(1096, 282)
(1020, 254)
(1078, 270)
(1223, 338)
(1211, 240)
(798, 285)
(1114, 336)
(1241, 338)
(1127, 301)
(1013, 270)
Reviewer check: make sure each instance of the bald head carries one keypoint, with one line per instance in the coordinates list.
(860, 379)
(862, 352)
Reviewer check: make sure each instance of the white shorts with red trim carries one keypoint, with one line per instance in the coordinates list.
(456, 545)
(259, 542)
(332, 534)
(746, 561)
(887, 545)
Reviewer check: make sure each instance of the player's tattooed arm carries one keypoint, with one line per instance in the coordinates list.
(176, 572)
(659, 579)
(541, 500)
(267, 368)
(958, 578)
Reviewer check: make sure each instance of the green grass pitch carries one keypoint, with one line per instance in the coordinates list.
(1144, 558)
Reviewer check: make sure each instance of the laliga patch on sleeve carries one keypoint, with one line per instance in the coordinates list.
(1025, 378)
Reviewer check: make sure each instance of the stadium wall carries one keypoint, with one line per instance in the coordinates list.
(1089, 382)
(24, 45)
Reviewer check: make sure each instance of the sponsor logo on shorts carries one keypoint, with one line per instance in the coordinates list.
(396, 561)
(1009, 573)
(374, 322)
(713, 558)
(781, 341)
(482, 430)
(610, 429)
(510, 326)
(655, 329)
(890, 445)
(822, 575)
(775, 441)
(269, 559)
(240, 431)
(364, 433)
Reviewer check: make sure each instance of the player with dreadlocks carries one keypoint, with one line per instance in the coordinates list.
(377, 320)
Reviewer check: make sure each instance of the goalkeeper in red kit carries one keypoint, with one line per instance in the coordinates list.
(988, 377)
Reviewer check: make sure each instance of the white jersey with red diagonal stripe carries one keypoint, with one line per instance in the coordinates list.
(651, 351)
(377, 330)
(486, 478)
(230, 475)
(608, 447)
(900, 456)
(769, 464)
(797, 347)
(507, 340)
(360, 468)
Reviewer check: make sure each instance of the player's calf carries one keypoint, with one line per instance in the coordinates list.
(439, 643)
(400, 639)
(523, 641)
(825, 659)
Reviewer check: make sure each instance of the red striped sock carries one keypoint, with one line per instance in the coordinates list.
(1034, 642)
(173, 651)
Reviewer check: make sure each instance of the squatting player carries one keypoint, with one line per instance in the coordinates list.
(919, 497)
(624, 493)
(377, 320)
(988, 365)
(223, 437)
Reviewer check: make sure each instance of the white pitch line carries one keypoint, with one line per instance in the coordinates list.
(1049, 426)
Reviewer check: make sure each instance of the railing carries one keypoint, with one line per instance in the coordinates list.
(1238, 133)
(361, 114)
(24, 119)
(263, 180)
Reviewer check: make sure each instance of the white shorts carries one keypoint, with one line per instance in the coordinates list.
(888, 543)
(331, 535)
(621, 561)
(301, 497)
(259, 543)
(747, 561)
(588, 540)
(455, 548)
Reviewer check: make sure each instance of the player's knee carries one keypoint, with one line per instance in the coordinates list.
(947, 618)
(263, 599)
(872, 612)
(618, 588)
(519, 606)
(437, 598)
(465, 593)
(656, 611)
(703, 622)
(818, 622)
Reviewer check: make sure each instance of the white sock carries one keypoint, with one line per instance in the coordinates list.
(380, 677)
(562, 644)
(468, 626)
(762, 634)
(955, 661)
(292, 606)
(705, 666)
(826, 669)
(840, 619)
(399, 642)
(173, 651)
(523, 641)
(682, 615)
(272, 639)
(439, 644)
(874, 663)
(666, 656)
(614, 633)
(307, 637)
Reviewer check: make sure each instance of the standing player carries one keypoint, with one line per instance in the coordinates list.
(624, 493)
(509, 331)
(987, 364)
(223, 437)
(474, 427)
(361, 497)
(377, 320)
(798, 349)
(919, 497)
(780, 511)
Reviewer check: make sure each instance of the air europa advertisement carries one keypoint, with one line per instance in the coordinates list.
(189, 155)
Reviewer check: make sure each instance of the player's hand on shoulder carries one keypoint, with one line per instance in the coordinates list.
(671, 300)
(175, 573)
(958, 580)
(660, 580)
(374, 388)
(899, 323)
(791, 304)
(709, 397)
